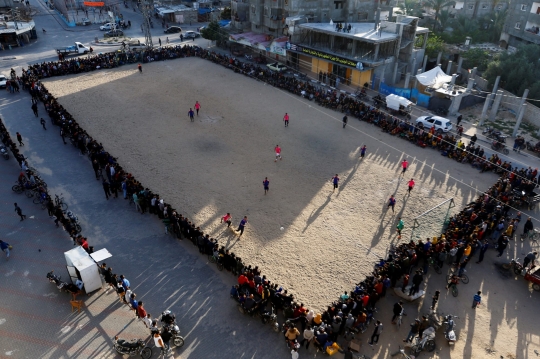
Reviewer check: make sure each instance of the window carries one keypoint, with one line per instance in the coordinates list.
(338, 4)
(253, 9)
(265, 11)
(484, 6)
(471, 6)
(523, 7)
(518, 25)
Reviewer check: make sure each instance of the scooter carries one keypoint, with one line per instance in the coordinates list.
(449, 333)
(4, 152)
(132, 348)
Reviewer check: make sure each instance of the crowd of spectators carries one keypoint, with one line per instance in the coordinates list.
(465, 235)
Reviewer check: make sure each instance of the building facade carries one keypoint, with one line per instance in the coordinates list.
(475, 8)
(376, 52)
(522, 25)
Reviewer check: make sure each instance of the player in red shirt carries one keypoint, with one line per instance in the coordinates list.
(277, 150)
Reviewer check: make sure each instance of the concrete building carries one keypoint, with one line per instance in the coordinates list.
(376, 52)
(522, 25)
(268, 16)
(477, 8)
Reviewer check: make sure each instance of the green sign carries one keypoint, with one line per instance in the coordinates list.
(323, 55)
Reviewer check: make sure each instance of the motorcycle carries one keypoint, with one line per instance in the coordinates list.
(449, 333)
(427, 342)
(74, 221)
(487, 130)
(515, 264)
(56, 279)
(4, 152)
(132, 348)
(499, 146)
(269, 316)
(177, 339)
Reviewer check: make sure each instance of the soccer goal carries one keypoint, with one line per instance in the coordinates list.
(433, 221)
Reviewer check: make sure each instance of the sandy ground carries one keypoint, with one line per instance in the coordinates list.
(330, 239)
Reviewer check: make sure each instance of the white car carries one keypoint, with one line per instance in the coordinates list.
(441, 124)
(3, 81)
(276, 66)
(108, 26)
(135, 45)
(191, 35)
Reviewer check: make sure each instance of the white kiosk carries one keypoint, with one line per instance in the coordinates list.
(83, 266)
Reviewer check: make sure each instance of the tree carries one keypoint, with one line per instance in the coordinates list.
(226, 13)
(214, 32)
(476, 58)
(444, 19)
(438, 5)
(434, 45)
(518, 71)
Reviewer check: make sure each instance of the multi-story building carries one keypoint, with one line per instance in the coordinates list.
(522, 25)
(477, 8)
(382, 51)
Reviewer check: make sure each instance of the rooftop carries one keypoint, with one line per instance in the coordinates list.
(359, 30)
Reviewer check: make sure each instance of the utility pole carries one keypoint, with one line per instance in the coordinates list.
(146, 12)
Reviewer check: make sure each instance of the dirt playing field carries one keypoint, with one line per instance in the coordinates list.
(329, 239)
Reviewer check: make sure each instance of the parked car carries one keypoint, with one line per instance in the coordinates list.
(108, 26)
(441, 124)
(173, 30)
(3, 81)
(114, 33)
(135, 45)
(276, 66)
(191, 35)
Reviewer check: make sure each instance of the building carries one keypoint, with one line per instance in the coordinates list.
(177, 14)
(376, 52)
(474, 8)
(268, 16)
(522, 25)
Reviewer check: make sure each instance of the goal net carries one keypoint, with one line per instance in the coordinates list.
(433, 221)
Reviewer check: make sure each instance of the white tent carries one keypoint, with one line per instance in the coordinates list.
(434, 78)
(393, 102)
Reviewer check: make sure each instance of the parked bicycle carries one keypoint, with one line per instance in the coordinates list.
(533, 235)
(59, 201)
(216, 258)
(433, 263)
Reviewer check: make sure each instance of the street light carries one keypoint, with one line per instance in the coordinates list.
(15, 12)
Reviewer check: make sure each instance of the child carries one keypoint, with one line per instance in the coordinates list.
(476, 299)
(435, 299)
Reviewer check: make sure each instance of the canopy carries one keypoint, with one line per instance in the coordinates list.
(434, 78)
(393, 101)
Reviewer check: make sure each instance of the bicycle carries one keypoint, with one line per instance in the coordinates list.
(59, 201)
(464, 278)
(533, 235)
(40, 200)
(216, 258)
(433, 263)
(18, 189)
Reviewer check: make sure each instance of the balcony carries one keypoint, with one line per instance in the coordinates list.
(274, 22)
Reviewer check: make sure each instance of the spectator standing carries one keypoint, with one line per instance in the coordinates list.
(42, 121)
(19, 138)
(529, 258)
(376, 333)
(18, 210)
(166, 336)
(345, 120)
(477, 299)
(435, 299)
(35, 109)
(5, 248)
(158, 342)
(483, 248)
(502, 244)
(106, 188)
(308, 334)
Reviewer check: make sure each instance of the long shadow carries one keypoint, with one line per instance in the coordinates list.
(316, 212)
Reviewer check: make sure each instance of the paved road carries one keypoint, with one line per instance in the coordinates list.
(164, 273)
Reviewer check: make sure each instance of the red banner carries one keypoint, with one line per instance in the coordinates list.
(94, 3)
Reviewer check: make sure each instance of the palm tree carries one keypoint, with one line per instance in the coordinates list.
(438, 5)
(408, 7)
(444, 19)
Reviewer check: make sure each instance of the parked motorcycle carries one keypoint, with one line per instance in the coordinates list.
(74, 221)
(514, 264)
(56, 279)
(4, 152)
(132, 348)
(499, 146)
(449, 332)
(426, 343)
(269, 316)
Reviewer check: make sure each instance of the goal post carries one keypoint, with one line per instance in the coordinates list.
(433, 221)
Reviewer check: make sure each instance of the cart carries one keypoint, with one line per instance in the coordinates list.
(399, 105)
(533, 276)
